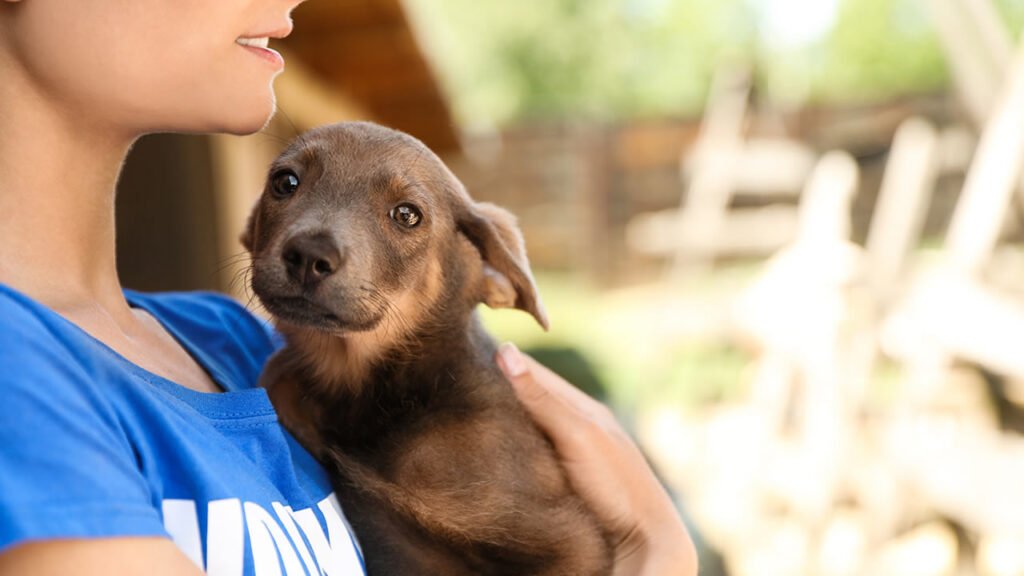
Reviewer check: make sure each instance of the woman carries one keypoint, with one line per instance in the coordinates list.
(132, 439)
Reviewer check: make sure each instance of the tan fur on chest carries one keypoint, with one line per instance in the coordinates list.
(343, 363)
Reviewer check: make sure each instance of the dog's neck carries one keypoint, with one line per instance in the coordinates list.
(361, 380)
(433, 357)
(430, 328)
(347, 362)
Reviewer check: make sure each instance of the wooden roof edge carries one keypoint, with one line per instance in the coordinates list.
(308, 101)
(357, 83)
(415, 27)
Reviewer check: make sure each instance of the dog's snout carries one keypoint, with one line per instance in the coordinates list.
(309, 258)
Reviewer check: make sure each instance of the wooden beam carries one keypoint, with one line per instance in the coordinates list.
(907, 184)
(308, 101)
(978, 49)
(313, 17)
(993, 176)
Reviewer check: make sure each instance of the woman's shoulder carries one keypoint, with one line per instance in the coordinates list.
(219, 331)
(31, 336)
(52, 408)
(36, 343)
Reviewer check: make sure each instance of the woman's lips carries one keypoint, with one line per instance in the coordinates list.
(258, 47)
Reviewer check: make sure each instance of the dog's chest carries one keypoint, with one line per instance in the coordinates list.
(398, 410)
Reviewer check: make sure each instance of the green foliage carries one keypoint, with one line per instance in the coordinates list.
(879, 48)
(1012, 12)
(506, 62)
(606, 346)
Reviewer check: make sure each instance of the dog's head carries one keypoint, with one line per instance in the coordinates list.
(362, 228)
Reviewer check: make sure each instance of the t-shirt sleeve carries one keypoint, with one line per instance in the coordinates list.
(67, 470)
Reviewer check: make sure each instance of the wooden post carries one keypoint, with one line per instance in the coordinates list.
(978, 48)
(701, 214)
(991, 180)
(909, 178)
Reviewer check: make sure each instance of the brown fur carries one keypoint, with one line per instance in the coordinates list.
(388, 376)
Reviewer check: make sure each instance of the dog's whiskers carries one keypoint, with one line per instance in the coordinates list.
(295, 130)
(235, 258)
(396, 331)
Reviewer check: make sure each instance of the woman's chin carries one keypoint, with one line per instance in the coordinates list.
(243, 114)
(243, 122)
(234, 124)
(245, 128)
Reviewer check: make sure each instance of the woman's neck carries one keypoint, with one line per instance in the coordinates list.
(58, 175)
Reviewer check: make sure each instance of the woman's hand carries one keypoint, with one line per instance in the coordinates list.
(606, 468)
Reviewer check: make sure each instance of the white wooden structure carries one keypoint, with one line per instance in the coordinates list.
(951, 312)
(723, 162)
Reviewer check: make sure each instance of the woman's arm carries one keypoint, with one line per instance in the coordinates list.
(99, 557)
(607, 470)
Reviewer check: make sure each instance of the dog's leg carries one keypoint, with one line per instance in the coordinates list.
(392, 546)
(518, 515)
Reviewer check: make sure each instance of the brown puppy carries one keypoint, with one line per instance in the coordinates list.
(372, 258)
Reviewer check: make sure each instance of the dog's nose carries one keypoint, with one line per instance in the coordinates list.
(309, 258)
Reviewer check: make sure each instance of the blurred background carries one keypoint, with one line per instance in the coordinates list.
(782, 238)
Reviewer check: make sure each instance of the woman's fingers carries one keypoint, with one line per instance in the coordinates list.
(539, 400)
(557, 407)
(606, 468)
(533, 378)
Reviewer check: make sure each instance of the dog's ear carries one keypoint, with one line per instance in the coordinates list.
(507, 281)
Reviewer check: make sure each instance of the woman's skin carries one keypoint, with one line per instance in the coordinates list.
(607, 470)
(79, 83)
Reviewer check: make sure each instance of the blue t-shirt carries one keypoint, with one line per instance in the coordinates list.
(92, 445)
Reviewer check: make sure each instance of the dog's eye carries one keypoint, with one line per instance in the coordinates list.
(406, 214)
(284, 183)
